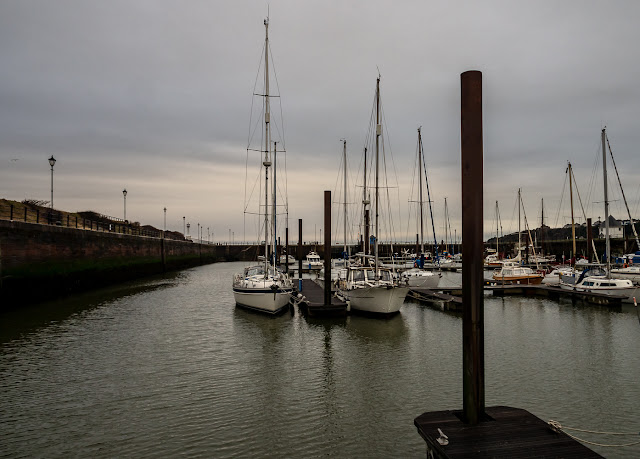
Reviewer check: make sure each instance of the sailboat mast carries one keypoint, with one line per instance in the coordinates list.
(497, 233)
(378, 133)
(421, 200)
(344, 154)
(573, 223)
(606, 200)
(519, 242)
(267, 141)
(542, 226)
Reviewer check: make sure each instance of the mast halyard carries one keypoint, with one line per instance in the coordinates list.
(378, 134)
(519, 240)
(573, 223)
(447, 234)
(542, 227)
(497, 233)
(606, 202)
(274, 241)
(624, 198)
(344, 155)
(421, 200)
(365, 204)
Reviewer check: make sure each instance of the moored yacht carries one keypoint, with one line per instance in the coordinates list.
(313, 261)
(372, 289)
(262, 287)
(514, 273)
(262, 290)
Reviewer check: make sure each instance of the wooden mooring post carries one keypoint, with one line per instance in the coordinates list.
(476, 431)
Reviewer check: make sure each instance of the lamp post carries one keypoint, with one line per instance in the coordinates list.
(52, 162)
(164, 227)
(124, 193)
(183, 227)
(198, 232)
(208, 235)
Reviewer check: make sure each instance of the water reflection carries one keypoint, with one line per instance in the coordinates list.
(21, 321)
(368, 330)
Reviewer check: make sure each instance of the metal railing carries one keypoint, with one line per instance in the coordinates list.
(44, 216)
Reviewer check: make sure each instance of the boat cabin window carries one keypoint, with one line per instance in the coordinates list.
(255, 271)
(385, 276)
(358, 276)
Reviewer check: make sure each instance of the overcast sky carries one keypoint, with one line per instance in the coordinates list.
(155, 97)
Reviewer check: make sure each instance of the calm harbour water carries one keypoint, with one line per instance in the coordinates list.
(169, 366)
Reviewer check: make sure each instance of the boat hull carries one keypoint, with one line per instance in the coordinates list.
(263, 300)
(520, 280)
(379, 300)
(628, 293)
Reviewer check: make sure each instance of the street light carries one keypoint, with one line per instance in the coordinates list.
(52, 162)
(164, 228)
(124, 193)
(183, 226)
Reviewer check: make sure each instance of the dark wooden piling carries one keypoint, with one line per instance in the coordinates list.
(327, 247)
(472, 247)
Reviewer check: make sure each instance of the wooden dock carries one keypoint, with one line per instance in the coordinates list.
(313, 301)
(555, 292)
(504, 432)
(450, 298)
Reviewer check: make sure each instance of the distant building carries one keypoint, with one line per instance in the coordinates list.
(616, 230)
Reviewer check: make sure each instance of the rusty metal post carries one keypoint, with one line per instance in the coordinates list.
(299, 254)
(472, 246)
(327, 247)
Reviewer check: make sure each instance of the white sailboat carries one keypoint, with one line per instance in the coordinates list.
(373, 289)
(605, 284)
(262, 287)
